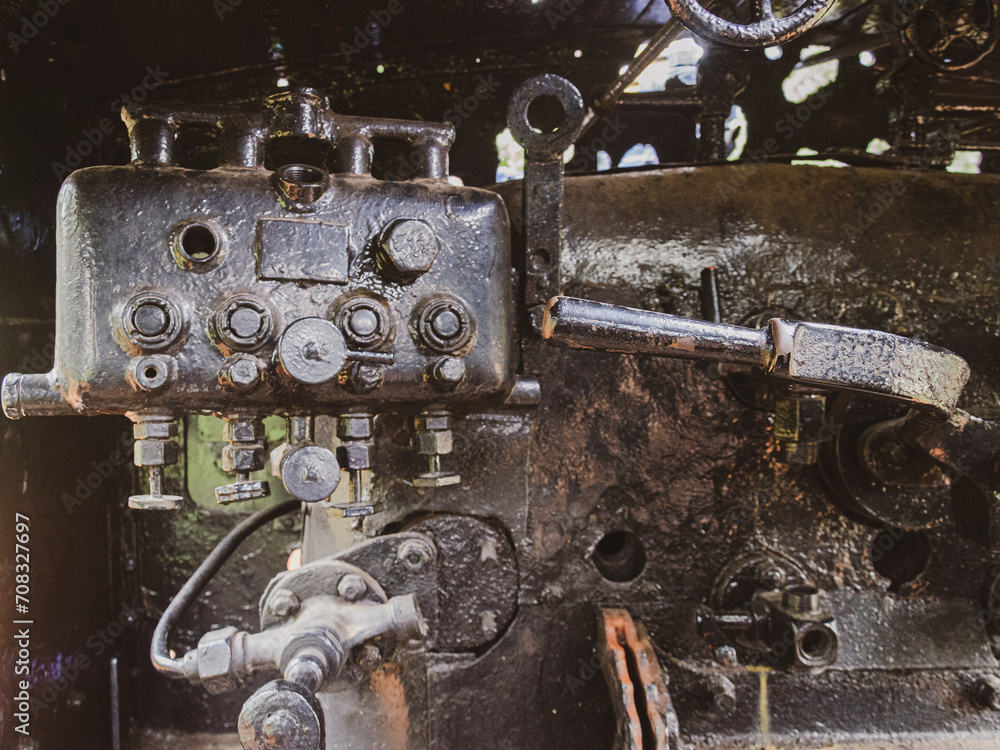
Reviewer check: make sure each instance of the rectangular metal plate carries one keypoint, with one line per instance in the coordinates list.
(301, 250)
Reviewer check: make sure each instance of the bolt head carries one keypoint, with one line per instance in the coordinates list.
(353, 455)
(354, 426)
(431, 421)
(284, 603)
(363, 322)
(352, 587)
(448, 372)
(154, 430)
(408, 248)
(150, 319)
(368, 657)
(415, 554)
(243, 374)
(364, 376)
(446, 324)
(243, 458)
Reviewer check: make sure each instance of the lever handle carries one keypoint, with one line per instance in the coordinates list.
(913, 372)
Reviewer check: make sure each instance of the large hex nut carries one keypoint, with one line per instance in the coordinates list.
(431, 421)
(237, 430)
(154, 430)
(432, 443)
(354, 426)
(216, 663)
(156, 452)
(354, 455)
(407, 248)
(243, 458)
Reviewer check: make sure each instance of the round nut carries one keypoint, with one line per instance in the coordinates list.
(149, 374)
(150, 321)
(310, 473)
(301, 183)
(312, 351)
(243, 323)
(416, 553)
(364, 321)
(444, 325)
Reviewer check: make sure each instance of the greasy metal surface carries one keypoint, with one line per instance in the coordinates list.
(543, 180)
(101, 206)
(824, 356)
(695, 471)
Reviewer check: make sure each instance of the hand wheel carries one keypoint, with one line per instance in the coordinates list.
(766, 30)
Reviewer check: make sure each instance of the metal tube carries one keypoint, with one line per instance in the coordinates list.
(159, 650)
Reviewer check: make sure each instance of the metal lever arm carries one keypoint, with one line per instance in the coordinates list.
(915, 373)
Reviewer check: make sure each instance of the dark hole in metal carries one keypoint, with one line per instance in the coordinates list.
(546, 113)
(900, 556)
(302, 174)
(620, 556)
(198, 243)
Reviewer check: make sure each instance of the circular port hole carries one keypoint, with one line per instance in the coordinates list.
(816, 644)
(901, 556)
(620, 556)
(151, 372)
(198, 243)
(302, 174)
(546, 113)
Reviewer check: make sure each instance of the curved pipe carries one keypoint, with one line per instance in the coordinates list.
(159, 652)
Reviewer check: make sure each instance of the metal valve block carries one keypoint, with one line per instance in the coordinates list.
(186, 290)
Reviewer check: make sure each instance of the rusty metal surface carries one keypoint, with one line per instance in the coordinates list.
(646, 718)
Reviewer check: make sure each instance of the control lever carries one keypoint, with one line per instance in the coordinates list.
(920, 375)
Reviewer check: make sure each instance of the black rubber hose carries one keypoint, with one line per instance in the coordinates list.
(159, 652)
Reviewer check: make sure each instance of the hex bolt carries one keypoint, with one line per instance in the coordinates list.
(415, 554)
(407, 249)
(241, 374)
(488, 621)
(448, 372)
(284, 603)
(770, 575)
(433, 438)
(988, 692)
(352, 587)
(363, 377)
(368, 657)
(723, 693)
